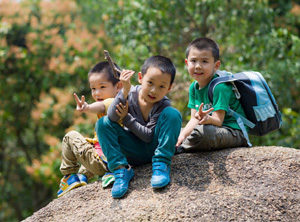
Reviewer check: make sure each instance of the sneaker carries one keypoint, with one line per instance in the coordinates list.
(83, 179)
(161, 175)
(68, 183)
(122, 179)
(107, 179)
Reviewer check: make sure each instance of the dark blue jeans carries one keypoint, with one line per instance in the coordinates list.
(122, 147)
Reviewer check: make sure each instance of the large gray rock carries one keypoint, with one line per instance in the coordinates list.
(241, 184)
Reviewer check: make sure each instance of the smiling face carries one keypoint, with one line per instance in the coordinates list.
(101, 88)
(201, 65)
(155, 85)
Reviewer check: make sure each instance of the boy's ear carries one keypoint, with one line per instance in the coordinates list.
(140, 76)
(217, 65)
(186, 62)
(119, 86)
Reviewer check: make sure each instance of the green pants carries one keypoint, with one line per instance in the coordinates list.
(122, 147)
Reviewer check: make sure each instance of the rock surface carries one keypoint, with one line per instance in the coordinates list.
(239, 184)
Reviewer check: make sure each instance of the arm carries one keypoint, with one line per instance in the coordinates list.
(135, 123)
(122, 96)
(198, 118)
(125, 79)
(215, 119)
(112, 112)
(193, 122)
(82, 106)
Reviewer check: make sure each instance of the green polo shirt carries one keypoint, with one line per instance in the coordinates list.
(223, 97)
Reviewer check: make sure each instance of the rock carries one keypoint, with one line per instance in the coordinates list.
(239, 184)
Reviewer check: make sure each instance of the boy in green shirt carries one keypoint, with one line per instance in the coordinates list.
(210, 127)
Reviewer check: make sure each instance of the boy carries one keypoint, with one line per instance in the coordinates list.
(75, 148)
(210, 127)
(151, 125)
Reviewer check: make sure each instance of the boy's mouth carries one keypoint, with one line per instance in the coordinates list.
(100, 100)
(198, 74)
(151, 97)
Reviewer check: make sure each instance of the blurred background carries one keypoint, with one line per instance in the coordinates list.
(48, 46)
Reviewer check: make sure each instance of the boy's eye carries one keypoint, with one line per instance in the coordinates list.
(162, 87)
(149, 82)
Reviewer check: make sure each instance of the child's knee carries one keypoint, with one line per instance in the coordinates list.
(172, 114)
(102, 122)
(72, 134)
(70, 137)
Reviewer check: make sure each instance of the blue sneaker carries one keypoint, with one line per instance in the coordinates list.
(68, 183)
(122, 179)
(83, 179)
(161, 175)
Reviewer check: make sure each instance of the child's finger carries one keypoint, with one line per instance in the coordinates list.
(76, 98)
(82, 99)
(209, 110)
(201, 108)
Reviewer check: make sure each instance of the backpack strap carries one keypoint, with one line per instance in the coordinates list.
(240, 121)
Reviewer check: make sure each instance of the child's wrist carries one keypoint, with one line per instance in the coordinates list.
(86, 107)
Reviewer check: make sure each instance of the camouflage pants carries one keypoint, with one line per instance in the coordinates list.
(210, 137)
(79, 156)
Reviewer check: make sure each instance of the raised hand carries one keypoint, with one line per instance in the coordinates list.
(81, 104)
(203, 116)
(125, 79)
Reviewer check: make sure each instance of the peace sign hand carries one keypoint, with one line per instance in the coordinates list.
(81, 104)
(203, 116)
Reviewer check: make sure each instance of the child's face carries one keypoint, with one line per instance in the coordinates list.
(155, 85)
(101, 88)
(201, 65)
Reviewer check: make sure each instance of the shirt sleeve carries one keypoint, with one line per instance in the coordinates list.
(111, 111)
(145, 131)
(134, 120)
(221, 96)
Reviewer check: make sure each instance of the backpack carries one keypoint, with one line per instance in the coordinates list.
(262, 112)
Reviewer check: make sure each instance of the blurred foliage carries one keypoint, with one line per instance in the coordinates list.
(46, 52)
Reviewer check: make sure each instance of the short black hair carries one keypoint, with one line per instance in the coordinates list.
(104, 67)
(203, 43)
(164, 64)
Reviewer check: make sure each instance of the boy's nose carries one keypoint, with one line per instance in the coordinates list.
(198, 66)
(97, 92)
(153, 90)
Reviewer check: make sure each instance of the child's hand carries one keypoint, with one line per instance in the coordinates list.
(203, 116)
(81, 104)
(180, 140)
(126, 76)
(122, 110)
(125, 79)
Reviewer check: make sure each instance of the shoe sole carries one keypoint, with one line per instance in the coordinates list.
(74, 185)
(83, 183)
(160, 186)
